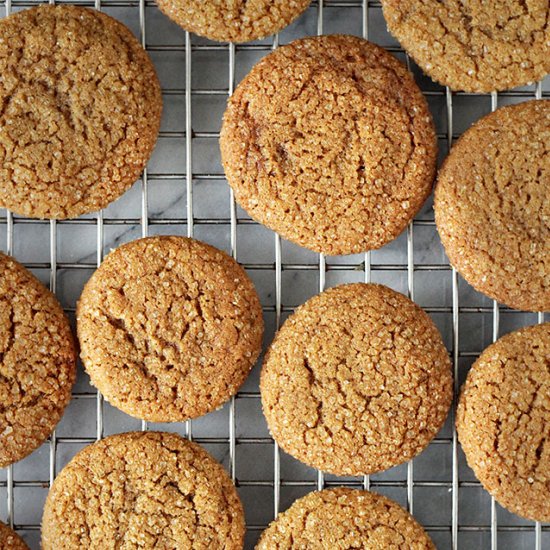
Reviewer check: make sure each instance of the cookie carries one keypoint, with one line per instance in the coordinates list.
(329, 142)
(474, 46)
(503, 421)
(234, 21)
(80, 111)
(169, 328)
(37, 362)
(10, 540)
(143, 490)
(356, 381)
(345, 518)
(491, 205)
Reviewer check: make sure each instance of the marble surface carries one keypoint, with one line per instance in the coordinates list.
(65, 254)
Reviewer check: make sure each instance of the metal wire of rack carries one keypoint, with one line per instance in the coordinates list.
(437, 486)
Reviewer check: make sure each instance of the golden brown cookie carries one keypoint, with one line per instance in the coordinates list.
(329, 142)
(492, 209)
(233, 20)
(475, 46)
(356, 381)
(37, 362)
(345, 518)
(169, 328)
(503, 421)
(10, 540)
(80, 111)
(143, 490)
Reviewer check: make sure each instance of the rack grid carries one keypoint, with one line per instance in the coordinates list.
(183, 191)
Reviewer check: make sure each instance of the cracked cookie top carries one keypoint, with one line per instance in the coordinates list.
(474, 46)
(356, 381)
(80, 109)
(492, 209)
(169, 328)
(233, 20)
(329, 142)
(503, 421)
(345, 518)
(37, 362)
(10, 540)
(143, 490)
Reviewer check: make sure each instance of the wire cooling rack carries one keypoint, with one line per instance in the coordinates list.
(183, 191)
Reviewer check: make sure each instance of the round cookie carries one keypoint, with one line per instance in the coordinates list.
(37, 362)
(503, 421)
(234, 20)
(474, 46)
(10, 540)
(169, 328)
(356, 381)
(492, 209)
(80, 111)
(345, 518)
(329, 142)
(143, 490)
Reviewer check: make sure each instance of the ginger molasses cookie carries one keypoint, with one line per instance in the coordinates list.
(143, 490)
(169, 328)
(492, 209)
(356, 381)
(233, 20)
(475, 46)
(37, 362)
(345, 518)
(80, 111)
(503, 421)
(329, 142)
(10, 540)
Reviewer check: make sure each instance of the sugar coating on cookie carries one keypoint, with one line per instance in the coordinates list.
(503, 421)
(143, 490)
(81, 107)
(345, 518)
(356, 381)
(474, 46)
(233, 20)
(169, 328)
(329, 142)
(37, 362)
(10, 540)
(492, 209)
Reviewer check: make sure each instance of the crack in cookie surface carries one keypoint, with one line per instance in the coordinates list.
(37, 362)
(143, 490)
(474, 46)
(492, 209)
(80, 108)
(344, 518)
(329, 142)
(169, 328)
(503, 421)
(356, 381)
(233, 20)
